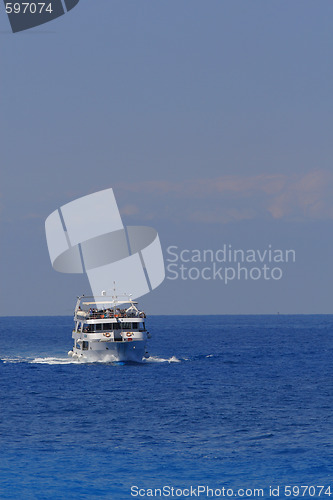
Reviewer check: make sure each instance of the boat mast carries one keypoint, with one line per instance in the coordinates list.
(77, 305)
(114, 299)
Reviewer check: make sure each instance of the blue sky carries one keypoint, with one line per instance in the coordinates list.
(212, 121)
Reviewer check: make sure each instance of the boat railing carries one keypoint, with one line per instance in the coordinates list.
(109, 314)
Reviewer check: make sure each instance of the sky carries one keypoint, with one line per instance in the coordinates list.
(211, 121)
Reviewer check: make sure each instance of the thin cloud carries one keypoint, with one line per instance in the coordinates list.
(129, 210)
(233, 198)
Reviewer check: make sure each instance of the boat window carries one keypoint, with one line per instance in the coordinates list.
(127, 326)
(77, 345)
(115, 326)
(85, 345)
(142, 326)
(134, 326)
(98, 326)
(107, 326)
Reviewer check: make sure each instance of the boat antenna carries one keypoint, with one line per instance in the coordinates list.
(114, 299)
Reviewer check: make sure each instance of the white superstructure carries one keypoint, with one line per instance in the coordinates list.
(109, 329)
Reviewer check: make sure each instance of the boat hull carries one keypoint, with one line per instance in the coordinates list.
(112, 352)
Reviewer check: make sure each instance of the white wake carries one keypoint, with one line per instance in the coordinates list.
(70, 361)
(156, 359)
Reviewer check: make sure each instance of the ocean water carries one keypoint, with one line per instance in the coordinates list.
(235, 402)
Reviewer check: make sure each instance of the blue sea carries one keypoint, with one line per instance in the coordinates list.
(239, 405)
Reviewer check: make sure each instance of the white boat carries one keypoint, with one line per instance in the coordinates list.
(109, 329)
